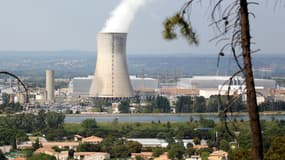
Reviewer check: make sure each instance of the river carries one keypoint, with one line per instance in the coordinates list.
(162, 117)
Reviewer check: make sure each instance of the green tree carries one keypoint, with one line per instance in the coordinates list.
(55, 120)
(161, 105)
(55, 134)
(224, 145)
(240, 154)
(213, 104)
(2, 156)
(5, 99)
(206, 123)
(184, 104)
(88, 147)
(199, 105)
(133, 147)
(56, 148)
(70, 154)
(190, 150)
(276, 150)
(197, 141)
(176, 151)
(89, 125)
(124, 106)
(205, 155)
(8, 137)
(157, 151)
(36, 145)
(41, 157)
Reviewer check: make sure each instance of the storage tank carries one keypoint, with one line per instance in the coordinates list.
(111, 77)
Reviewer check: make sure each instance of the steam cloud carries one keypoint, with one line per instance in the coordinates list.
(122, 16)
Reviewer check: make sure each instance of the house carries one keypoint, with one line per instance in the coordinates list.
(218, 155)
(48, 151)
(20, 158)
(198, 147)
(150, 142)
(194, 157)
(61, 145)
(143, 155)
(164, 156)
(63, 155)
(91, 155)
(78, 137)
(6, 149)
(92, 139)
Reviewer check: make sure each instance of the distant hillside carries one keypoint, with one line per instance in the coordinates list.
(81, 63)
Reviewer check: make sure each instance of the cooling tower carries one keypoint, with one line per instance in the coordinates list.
(111, 78)
(50, 85)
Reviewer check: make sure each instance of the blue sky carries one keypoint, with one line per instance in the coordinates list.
(50, 25)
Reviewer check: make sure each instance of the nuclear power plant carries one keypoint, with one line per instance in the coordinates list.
(111, 77)
(50, 85)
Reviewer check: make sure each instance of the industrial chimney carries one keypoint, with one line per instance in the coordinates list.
(111, 77)
(50, 85)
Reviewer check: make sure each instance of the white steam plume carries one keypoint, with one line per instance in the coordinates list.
(122, 16)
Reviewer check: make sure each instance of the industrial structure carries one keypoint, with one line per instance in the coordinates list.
(50, 85)
(79, 86)
(111, 78)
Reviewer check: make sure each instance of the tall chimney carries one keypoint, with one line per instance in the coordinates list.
(50, 85)
(111, 77)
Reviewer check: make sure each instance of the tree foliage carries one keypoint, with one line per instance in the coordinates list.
(161, 105)
(176, 151)
(124, 106)
(276, 150)
(41, 156)
(88, 147)
(2, 156)
(171, 23)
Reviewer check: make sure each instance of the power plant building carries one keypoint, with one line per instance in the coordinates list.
(214, 85)
(144, 83)
(111, 78)
(80, 86)
(50, 85)
(207, 82)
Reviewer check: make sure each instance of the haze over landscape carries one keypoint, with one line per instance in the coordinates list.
(52, 25)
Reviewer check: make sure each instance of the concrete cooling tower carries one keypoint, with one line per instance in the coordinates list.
(111, 77)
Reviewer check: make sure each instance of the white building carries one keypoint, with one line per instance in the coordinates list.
(215, 85)
(80, 86)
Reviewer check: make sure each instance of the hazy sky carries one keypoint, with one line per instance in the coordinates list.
(32, 25)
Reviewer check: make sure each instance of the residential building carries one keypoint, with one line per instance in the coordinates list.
(6, 149)
(78, 137)
(61, 145)
(143, 155)
(194, 157)
(218, 155)
(92, 139)
(198, 147)
(63, 155)
(91, 155)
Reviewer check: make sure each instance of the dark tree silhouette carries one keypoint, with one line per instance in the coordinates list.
(231, 21)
